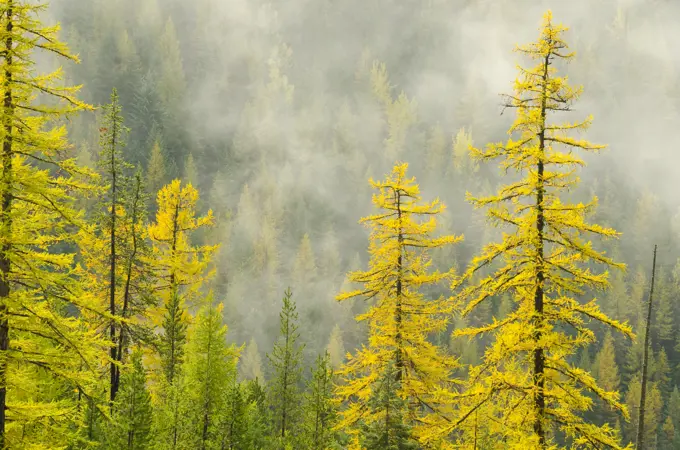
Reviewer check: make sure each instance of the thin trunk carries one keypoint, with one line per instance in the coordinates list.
(128, 281)
(206, 406)
(112, 266)
(538, 354)
(286, 367)
(399, 364)
(174, 289)
(643, 389)
(6, 221)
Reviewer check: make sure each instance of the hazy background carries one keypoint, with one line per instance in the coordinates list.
(284, 116)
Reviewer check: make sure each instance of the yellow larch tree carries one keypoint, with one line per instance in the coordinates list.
(45, 352)
(180, 269)
(545, 262)
(400, 318)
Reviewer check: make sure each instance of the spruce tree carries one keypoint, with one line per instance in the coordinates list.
(130, 424)
(285, 364)
(320, 413)
(388, 428)
(209, 371)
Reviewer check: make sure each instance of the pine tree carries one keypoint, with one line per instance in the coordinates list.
(388, 429)
(45, 352)
(336, 348)
(652, 412)
(401, 319)
(131, 421)
(304, 267)
(285, 364)
(661, 373)
(190, 171)
(113, 166)
(210, 371)
(664, 322)
(259, 414)
(234, 426)
(320, 414)
(155, 172)
(527, 365)
(607, 371)
(250, 365)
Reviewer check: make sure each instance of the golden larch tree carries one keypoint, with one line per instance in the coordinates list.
(400, 318)
(545, 262)
(45, 351)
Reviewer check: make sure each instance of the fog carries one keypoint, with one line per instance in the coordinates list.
(279, 96)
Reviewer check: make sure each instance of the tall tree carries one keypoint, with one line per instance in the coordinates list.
(400, 320)
(113, 166)
(37, 182)
(179, 270)
(528, 365)
(210, 370)
(284, 388)
(179, 267)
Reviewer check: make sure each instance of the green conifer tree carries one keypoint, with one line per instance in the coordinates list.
(130, 424)
(320, 414)
(285, 365)
(390, 429)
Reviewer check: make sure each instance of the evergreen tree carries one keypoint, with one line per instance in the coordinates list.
(259, 414)
(131, 421)
(652, 412)
(527, 365)
(155, 172)
(190, 171)
(400, 320)
(250, 365)
(210, 371)
(113, 166)
(234, 426)
(320, 414)
(285, 364)
(388, 428)
(336, 347)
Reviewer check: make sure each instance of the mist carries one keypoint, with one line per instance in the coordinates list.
(282, 97)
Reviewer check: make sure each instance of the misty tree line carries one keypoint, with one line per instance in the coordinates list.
(116, 294)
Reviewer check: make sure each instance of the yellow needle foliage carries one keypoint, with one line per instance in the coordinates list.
(526, 388)
(45, 351)
(400, 318)
(179, 268)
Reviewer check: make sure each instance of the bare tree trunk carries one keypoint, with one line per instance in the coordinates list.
(643, 389)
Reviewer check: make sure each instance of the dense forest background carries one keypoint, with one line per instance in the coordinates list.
(280, 111)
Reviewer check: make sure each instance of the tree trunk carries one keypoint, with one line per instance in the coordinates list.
(6, 221)
(643, 388)
(539, 356)
(112, 268)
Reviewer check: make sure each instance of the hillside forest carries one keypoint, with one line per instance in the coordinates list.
(308, 224)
